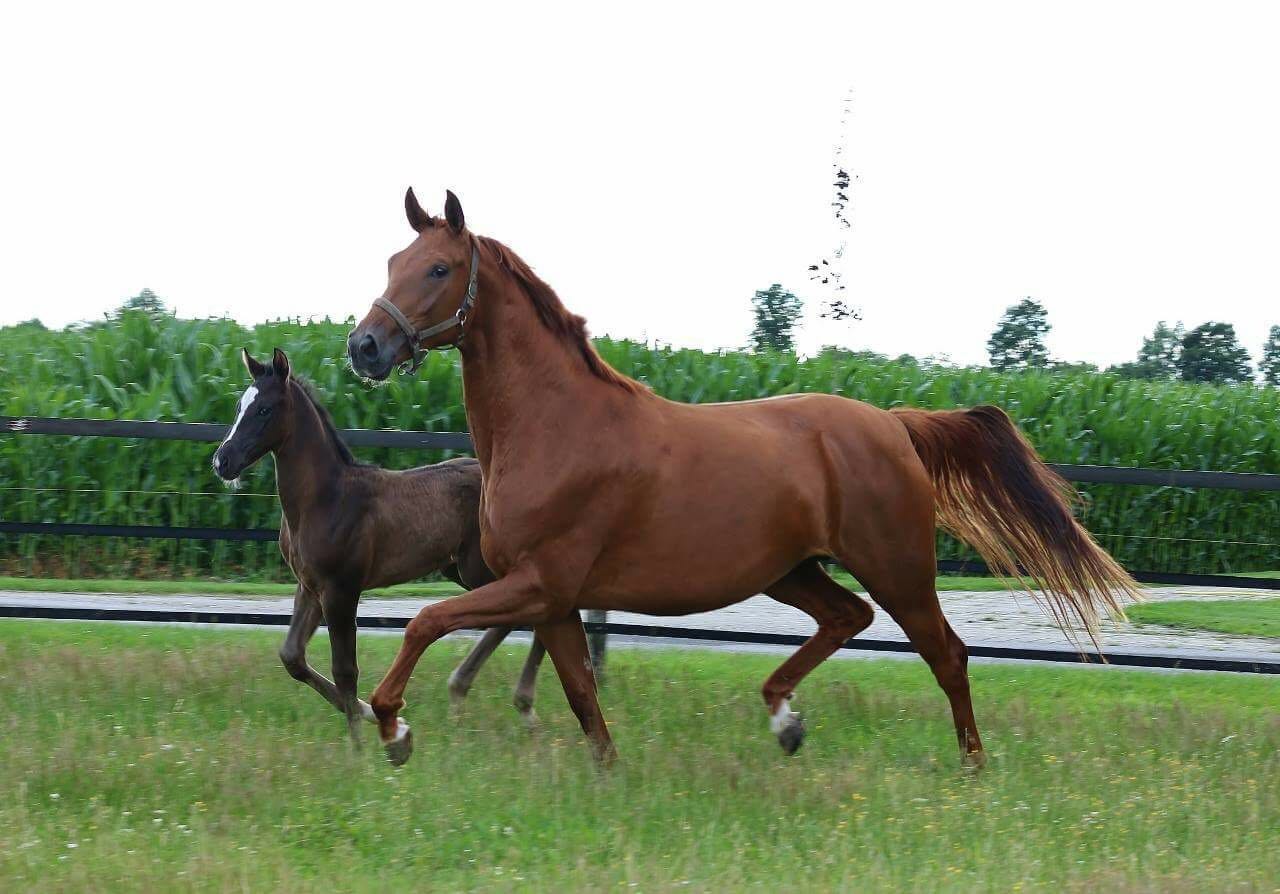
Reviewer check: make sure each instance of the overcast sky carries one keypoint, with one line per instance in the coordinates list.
(1119, 162)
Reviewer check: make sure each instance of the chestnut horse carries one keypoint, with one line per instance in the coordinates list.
(599, 494)
(346, 526)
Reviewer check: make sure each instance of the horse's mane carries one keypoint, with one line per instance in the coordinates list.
(309, 391)
(568, 326)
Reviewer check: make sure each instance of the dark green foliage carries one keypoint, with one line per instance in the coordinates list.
(777, 312)
(146, 301)
(1018, 342)
(1270, 364)
(1212, 353)
(1159, 356)
(144, 367)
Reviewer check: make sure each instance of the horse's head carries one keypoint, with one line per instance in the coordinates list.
(262, 419)
(426, 299)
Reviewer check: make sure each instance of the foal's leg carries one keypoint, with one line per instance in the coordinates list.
(566, 642)
(512, 601)
(293, 653)
(528, 679)
(465, 673)
(340, 618)
(840, 614)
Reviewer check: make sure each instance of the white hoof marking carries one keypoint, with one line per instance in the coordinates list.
(402, 729)
(781, 718)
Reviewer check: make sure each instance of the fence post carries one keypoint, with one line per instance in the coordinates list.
(597, 641)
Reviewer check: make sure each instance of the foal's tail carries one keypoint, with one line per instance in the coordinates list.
(995, 493)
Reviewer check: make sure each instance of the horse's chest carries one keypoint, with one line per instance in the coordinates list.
(509, 520)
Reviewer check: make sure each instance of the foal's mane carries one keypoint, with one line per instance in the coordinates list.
(568, 326)
(326, 421)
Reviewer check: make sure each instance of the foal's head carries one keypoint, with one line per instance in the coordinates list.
(426, 285)
(263, 418)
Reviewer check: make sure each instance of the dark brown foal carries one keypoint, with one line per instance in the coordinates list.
(347, 527)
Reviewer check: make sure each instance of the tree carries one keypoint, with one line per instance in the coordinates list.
(1270, 365)
(1212, 353)
(777, 313)
(1158, 356)
(1018, 341)
(146, 301)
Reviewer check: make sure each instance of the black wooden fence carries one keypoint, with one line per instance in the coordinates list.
(425, 440)
(210, 432)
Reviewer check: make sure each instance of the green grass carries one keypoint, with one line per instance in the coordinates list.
(174, 759)
(276, 589)
(1247, 617)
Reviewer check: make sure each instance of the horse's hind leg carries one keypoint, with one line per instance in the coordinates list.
(907, 591)
(465, 673)
(840, 614)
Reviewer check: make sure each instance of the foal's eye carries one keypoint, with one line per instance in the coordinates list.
(439, 271)
(264, 411)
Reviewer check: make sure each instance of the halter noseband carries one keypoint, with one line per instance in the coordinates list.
(415, 337)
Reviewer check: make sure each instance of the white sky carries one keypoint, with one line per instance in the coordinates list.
(1118, 161)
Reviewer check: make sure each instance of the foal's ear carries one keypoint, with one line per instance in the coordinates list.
(453, 212)
(280, 364)
(256, 369)
(418, 219)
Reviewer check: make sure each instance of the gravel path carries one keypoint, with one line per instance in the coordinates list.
(980, 618)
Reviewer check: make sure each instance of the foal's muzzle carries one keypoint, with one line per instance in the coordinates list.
(230, 463)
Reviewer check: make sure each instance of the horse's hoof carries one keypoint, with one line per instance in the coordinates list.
(401, 747)
(530, 720)
(791, 736)
(973, 761)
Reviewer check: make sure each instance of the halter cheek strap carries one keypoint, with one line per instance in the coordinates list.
(415, 337)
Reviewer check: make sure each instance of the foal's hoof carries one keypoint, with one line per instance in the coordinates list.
(399, 748)
(530, 721)
(973, 761)
(791, 736)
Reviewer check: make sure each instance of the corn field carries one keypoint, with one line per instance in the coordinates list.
(141, 366)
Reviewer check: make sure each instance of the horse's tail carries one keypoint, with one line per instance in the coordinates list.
(995, 493)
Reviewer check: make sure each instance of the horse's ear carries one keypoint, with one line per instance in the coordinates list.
(418, 219)
(453, 212)
(280, 364)
(255, 368)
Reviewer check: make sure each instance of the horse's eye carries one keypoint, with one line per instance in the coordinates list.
(439, 271)
(264, 411)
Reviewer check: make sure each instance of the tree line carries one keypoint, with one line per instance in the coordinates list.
(1210, 352)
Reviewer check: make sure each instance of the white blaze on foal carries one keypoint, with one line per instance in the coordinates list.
(246, 401)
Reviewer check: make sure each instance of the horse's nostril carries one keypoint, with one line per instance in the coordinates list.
(368, 348)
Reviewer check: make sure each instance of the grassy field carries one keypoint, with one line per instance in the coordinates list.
(1248, 617)
(151, 758)
(276, 589)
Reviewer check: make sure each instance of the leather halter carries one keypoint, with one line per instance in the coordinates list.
(415, 337)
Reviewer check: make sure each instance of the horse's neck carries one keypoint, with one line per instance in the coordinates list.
(520, 380)
(308, 464)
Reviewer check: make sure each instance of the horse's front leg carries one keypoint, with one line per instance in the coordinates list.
(515, 600)
(566, 643)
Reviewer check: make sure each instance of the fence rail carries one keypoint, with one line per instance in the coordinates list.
(422, 440)
(664, 632)
(211, 432)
